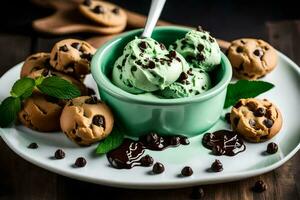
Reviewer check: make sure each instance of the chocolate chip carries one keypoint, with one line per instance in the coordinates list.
(90, 91)
(76, 45)
(123, 62)
(116, 10)
(251, 106)
(119, 67)
(227, 118)
(211, 39)
(59, 154)
(200, 47)
(203, 37)
(259, 186)
(142, 45)
(239, 49)
(151, 64)
(64, 48)
(158, 168)
(190, 71)
(272, 148)
(87, 56)
(243, 42)
(217, 150)
(92, 100)
(183, 76)
(151, 138)
(133, 68)
(238, 104)
(258, 52)
(184, 140)
(200, 57)
(133, 57)
(98, 9)
(33, 146)
(99, 120)
(206, 137)
(138, 62)
(146, 161)
(172, 54)
(87, 2)
(45, 72)
(197, 193)
(175, 140)
(259, 112)
(216, 166)
(187, 171)
(252, 122)
(162, 46)
(268, 123)
(80, 162)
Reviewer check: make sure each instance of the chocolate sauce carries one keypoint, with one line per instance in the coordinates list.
(224, 142)
(130, 153)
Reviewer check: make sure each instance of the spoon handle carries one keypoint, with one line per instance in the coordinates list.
(154, 13)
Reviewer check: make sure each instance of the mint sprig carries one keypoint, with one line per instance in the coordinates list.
(59, 88)
(113, 141)
(9, 109)
(23, 88)
(245, 89)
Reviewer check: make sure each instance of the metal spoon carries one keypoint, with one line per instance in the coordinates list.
(154, 13)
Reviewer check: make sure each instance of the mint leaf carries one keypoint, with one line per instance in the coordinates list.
(59, 88)
(245, 89)
(23, 88)
(9, 109)
(113, 141)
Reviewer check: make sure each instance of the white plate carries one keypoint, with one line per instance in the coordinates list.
(252, 162)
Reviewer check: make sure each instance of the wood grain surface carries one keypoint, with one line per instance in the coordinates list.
(21, 180)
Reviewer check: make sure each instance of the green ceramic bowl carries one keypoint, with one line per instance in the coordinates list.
(187, 116)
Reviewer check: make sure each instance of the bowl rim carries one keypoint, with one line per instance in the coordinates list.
(105, 84)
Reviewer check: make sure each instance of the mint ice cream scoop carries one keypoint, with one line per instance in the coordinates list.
(199, 49)
(146, 66)
(190, 83)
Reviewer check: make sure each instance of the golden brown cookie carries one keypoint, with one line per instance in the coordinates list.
(41, 113)
(256, 120)
(251, 58)
(72, 56)
(86, 120)
(35, 62)
(104, 13)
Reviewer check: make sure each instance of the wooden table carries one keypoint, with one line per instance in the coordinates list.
(21, 180)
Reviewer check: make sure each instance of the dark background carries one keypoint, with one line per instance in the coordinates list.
(274, 21)
(226, 19)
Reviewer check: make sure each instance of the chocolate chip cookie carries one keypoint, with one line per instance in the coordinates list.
(86, 120)
(256, 120)
(72, 57)
(35, 62)
(40, 112)
(104, 13)
(251, 58)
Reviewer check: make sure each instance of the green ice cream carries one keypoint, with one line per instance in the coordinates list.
(147, 66)
(191, 83)
(199, 49)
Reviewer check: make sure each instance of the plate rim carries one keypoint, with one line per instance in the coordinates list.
(222, 178)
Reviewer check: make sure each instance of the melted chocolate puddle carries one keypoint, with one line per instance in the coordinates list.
(224, 142)
(130, 153)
